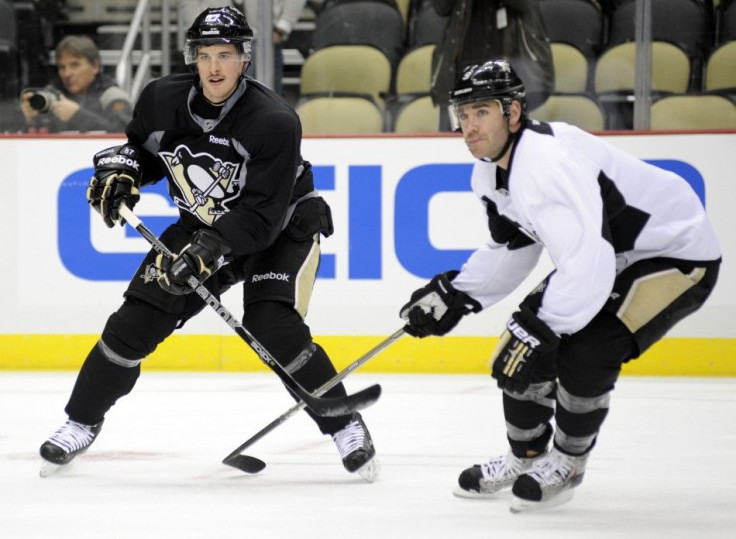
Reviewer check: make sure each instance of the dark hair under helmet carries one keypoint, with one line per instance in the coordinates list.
(216, 26)
(495, 79)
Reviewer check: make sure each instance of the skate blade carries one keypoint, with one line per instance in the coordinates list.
(49, 468)
(474, 495)
(519, 505)
(370, 470)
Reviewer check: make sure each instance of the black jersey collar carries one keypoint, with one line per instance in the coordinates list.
(208, 125)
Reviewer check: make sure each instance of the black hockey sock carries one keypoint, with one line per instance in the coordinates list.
(311, 376)
(99, 385)
(280, 329)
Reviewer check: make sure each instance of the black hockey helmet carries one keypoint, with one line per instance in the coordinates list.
(215, 26)
(494, 79)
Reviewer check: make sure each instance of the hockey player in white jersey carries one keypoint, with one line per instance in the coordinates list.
(634, 253)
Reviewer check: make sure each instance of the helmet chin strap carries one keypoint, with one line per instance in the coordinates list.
(509, 140)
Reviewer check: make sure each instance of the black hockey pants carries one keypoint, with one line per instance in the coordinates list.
(649, 298)
(277, 284)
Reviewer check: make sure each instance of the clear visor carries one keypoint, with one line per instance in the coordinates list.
(453, 111)
(242, 54)
(457, 111)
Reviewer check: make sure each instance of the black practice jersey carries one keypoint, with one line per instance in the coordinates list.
(236, 168)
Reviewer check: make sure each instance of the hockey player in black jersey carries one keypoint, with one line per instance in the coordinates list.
(633, 251)
(229, 148)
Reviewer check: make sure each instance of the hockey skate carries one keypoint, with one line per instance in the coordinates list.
(487, 479)
(70, 440)
(356, 449)
(549, 482)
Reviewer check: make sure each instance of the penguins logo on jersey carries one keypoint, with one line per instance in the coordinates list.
(150, 274)
(205, 184)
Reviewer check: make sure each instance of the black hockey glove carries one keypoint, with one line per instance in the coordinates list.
(116, 180)
(527, 346)
(437, 307)
(204, 255)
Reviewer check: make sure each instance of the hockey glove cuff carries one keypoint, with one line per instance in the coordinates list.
(437, 307)
(116, 181)
(527, 348)
(207, 252)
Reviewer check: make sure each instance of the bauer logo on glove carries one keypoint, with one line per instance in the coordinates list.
(526, 352)
(523, 335)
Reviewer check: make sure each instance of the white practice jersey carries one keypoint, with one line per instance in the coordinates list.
(595, 208)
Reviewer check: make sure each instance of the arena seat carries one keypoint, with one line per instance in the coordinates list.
(693, 111)
(358, 69)
(580, 110)
(571, 68)
(614, 79)
(720, 69)
(335, 115)
(425, 25)
(685, 23)
(616, 68)
(418, 116)
(414, 72)
(579, 23)
(354, 22)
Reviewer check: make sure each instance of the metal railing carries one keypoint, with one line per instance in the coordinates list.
(133, 81)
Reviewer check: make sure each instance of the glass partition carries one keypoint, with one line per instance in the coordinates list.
(377, 66)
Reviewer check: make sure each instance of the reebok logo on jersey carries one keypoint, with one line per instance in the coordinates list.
(522, 334)
(270, 276)
(219, 140)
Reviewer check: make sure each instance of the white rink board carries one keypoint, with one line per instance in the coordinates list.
(41, 295)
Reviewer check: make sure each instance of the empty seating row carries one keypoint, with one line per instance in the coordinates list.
(352, 115)
(363, 71)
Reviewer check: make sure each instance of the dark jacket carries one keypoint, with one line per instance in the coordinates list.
(472, 36)
(105, 107)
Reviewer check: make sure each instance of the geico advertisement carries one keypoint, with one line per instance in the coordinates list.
(402, 209)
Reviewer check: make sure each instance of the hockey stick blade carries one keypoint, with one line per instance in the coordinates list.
(326, 407)
(246, 463)
(339, 406)
(254, 465)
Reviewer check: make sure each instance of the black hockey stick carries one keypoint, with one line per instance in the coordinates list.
(253, 465)
(328, 407)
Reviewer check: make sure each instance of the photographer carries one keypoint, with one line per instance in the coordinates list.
(84, 99)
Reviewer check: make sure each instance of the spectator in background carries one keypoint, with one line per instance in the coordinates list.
(479, 30)
(83, 98)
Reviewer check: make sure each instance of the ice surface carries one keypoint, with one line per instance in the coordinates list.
(664, 466)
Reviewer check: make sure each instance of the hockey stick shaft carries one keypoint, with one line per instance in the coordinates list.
(321, 406)
(233, 458)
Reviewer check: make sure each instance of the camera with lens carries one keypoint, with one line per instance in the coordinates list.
(41, 99)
